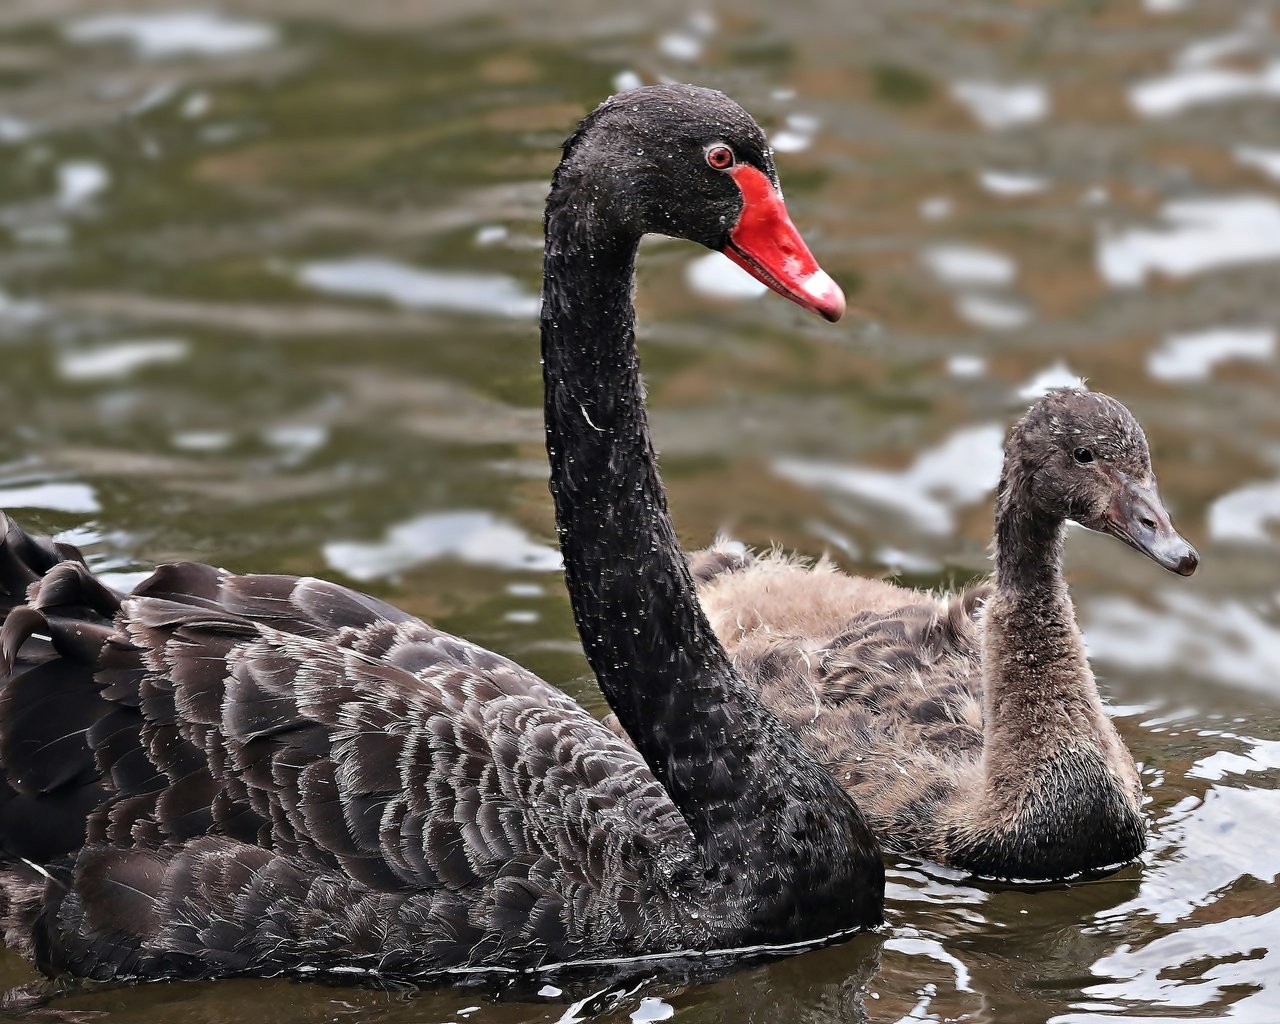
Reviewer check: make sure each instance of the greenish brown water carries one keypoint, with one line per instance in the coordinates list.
(266, 293)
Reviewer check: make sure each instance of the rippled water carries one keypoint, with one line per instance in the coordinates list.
(266, 277)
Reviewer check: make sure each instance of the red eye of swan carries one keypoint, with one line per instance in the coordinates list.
(720, 157)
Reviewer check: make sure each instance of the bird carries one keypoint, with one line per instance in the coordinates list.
(968, 726)
(220, 774)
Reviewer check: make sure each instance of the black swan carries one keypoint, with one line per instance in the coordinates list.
(968, 727)
(226, 775)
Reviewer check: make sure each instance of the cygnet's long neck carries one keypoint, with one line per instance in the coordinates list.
(1052, 758)
(1036, 675)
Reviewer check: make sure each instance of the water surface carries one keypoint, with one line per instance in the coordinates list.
(267, 276)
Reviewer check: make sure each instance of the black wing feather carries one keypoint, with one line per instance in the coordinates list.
(257, 774)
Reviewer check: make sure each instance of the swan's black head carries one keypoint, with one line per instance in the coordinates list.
(1083, 456)
(688, 162)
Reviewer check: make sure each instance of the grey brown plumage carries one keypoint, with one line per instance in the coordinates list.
(220, 774)
(968, 726)
(294, 776)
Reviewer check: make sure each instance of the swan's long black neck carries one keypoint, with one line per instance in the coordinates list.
(757, 805)
(1034, 662)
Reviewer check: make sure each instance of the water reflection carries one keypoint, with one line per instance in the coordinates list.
(119, 359)
(20, 313)
(174, 33)
(1231, 641)
(969, 265)
(715, 274)
(415, 288)
(1003, 183)
(271, 305)
(1199, 235)
(797, 135)
(1187, 357)
(67, 496)
(1056, 375)
(79, 181)
(1247, 514)
(991, 313)
(1265, 160)
(997, 106)
(1199, 78)
(961, 470)
(476, 538)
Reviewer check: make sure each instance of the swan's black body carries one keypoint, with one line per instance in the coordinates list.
(222, 774)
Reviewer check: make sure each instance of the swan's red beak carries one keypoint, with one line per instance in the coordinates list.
(767, 246)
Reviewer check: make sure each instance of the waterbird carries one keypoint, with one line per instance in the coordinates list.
(222, 774)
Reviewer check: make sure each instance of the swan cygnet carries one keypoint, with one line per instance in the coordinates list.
(968, 726)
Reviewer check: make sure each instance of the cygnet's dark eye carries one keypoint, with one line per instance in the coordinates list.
(1083, 456)
(720, 157)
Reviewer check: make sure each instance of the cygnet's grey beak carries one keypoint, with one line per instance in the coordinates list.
(1138, 517)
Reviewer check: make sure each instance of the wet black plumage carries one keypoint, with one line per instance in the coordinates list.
(221, 774)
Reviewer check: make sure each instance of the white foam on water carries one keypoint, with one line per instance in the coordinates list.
(160, 34)
(1193, 356)
(1195, 236)
(375, 277)
(472, 537)
(119, 359)
(1001, 105)
(960, 471)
